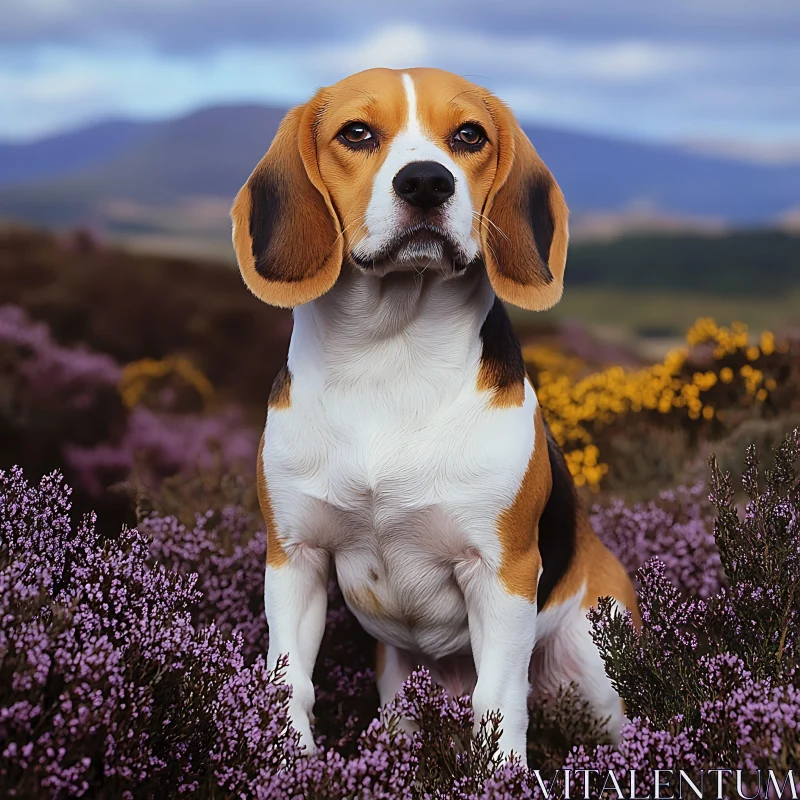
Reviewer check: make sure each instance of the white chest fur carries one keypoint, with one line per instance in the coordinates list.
(389, 457)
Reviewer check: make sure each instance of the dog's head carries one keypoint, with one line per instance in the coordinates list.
(398, 170)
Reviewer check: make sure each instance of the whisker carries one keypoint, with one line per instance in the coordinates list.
(362, 224)
(483, 217)
(361, 219)
(491, 250)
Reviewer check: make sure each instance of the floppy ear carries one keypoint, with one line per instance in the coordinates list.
(525, 242)
(285, 231)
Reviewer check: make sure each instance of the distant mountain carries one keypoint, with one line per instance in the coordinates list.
(72, 151)
(147, 185)
(599, 174)
(179, 176)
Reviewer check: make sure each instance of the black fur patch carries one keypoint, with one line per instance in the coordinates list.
(279, 254)
(556, 525)
(501, 357)
(541, 224)
(265, 205)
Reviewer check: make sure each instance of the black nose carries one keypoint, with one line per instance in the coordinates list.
(424, 184)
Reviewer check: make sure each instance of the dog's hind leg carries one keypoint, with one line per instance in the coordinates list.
(565, 651)
(567, 654)
(392, 667)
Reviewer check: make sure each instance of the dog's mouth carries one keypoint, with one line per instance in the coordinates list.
(418, 246)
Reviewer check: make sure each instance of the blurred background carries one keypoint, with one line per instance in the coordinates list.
(126, 129)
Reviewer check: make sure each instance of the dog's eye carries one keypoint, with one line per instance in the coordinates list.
(356, 133)
(471, 135)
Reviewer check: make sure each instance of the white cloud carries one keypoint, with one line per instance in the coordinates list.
(634, 87)
(61, 88)
(393, 46)
(202, 25)
(529, 56)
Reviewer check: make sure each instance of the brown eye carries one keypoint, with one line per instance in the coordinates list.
(473, 136)
(356, 133)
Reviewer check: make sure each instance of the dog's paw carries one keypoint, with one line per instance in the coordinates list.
(512, 743)
(307, 743)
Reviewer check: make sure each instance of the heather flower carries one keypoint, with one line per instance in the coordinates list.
(717, 678)
(643, 747)
(227, 561)
(103, 677)
(71, 376)
(64, 406)
(156, 445)
(134, 665)
(677, 528)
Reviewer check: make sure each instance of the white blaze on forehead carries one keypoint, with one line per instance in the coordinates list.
(412, 122)
(387, 214)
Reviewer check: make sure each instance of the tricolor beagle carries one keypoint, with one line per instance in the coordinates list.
(403, 442)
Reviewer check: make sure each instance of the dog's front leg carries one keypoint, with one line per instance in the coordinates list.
(502, 629)
(296, 599)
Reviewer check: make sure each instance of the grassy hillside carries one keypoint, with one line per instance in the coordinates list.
(749, 270)
(758, 262)
(660, 315)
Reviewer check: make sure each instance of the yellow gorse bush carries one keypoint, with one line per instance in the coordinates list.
(139, 376)
(577, 407)
(547, 358)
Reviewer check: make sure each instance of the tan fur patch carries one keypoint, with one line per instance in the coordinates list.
(510, 396)
(605, 576)
(517, 525)
(525, 269)
(286, 234)
(280, 396)
(594, 566)
(364, 600)
(445, 102)
(276, 555)
(377, 98)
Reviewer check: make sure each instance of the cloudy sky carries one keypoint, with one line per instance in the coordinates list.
(674, 70)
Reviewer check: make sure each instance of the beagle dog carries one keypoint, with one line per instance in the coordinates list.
(404, 444)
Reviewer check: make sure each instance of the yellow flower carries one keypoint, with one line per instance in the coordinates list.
(545, 358)
(577, 407)
(703, 330)
(138, 375)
